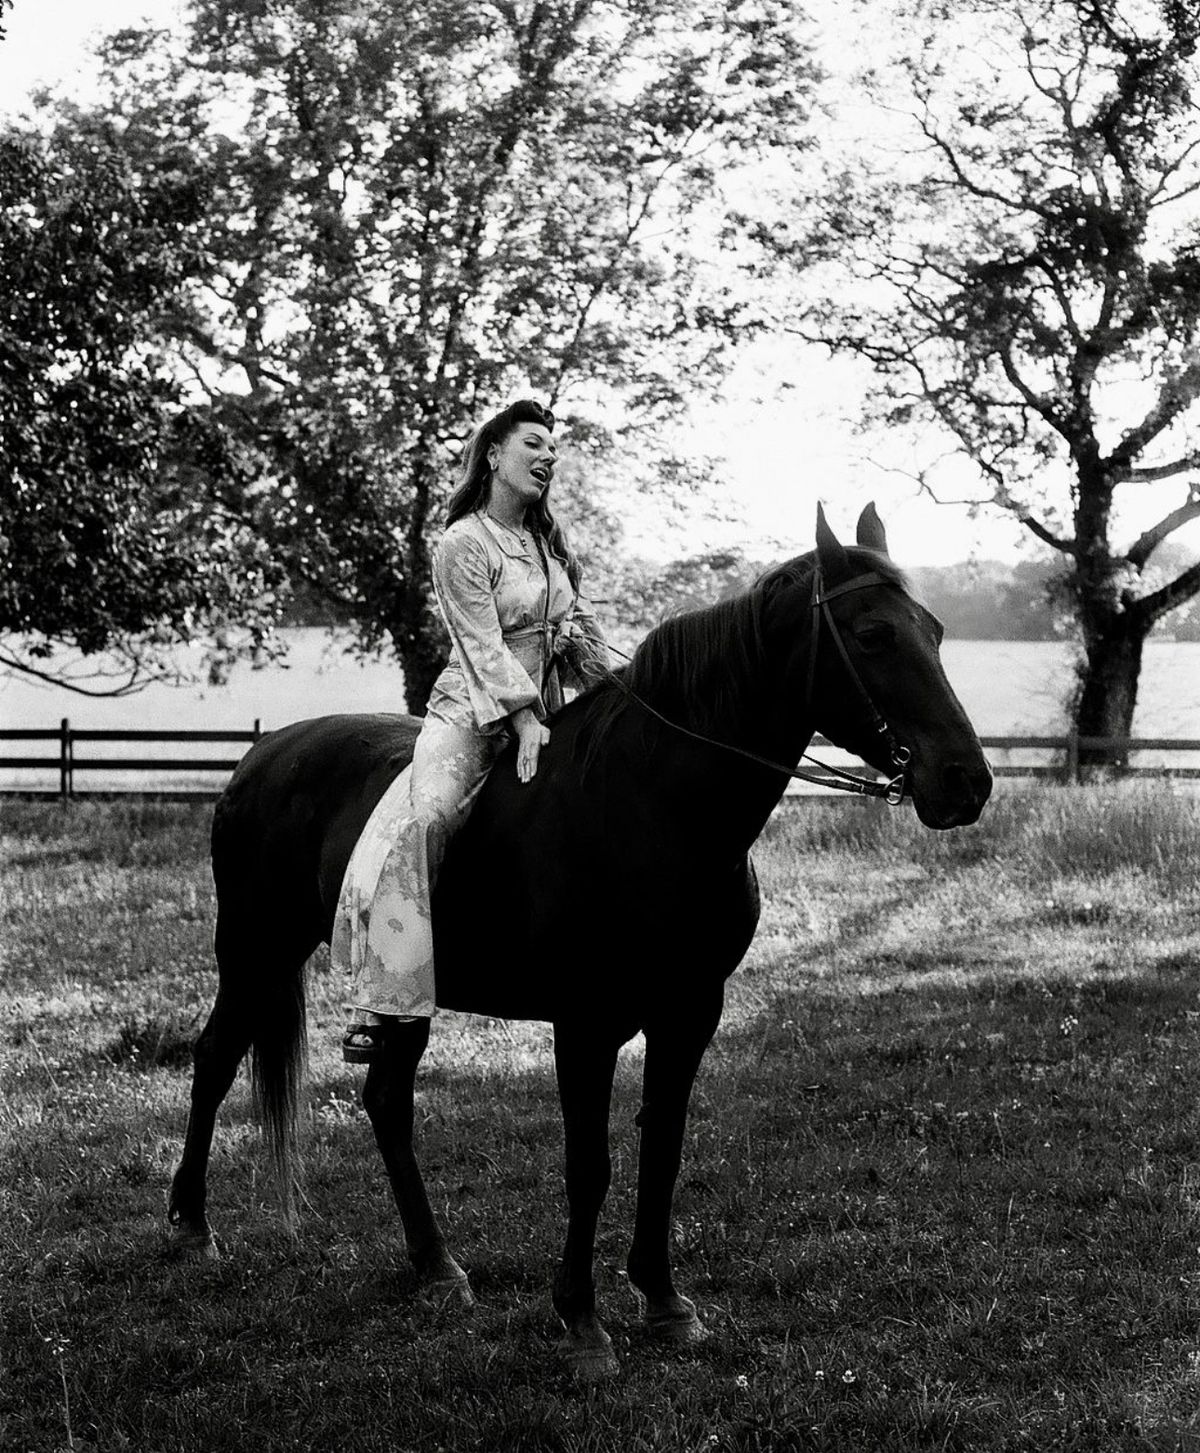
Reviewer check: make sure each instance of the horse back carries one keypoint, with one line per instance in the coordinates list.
(285, 826)
(575, 891)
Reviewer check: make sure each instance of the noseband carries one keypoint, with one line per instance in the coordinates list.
(891, 791)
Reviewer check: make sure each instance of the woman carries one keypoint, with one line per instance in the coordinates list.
(508, 588)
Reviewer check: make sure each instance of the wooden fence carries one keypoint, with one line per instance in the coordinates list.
(1042, 757)
(67, 760)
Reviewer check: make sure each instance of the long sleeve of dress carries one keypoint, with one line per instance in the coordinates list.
(497, 684)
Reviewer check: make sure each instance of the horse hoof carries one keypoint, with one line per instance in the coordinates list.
(448, 1292)
(588, 1358)
(675, 1322)
(195, 1245)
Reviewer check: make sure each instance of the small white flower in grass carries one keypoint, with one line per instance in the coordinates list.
(819, 1375)
(741, 1380)
(848, 1376)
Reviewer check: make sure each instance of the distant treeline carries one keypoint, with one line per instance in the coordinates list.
(976, 600)
(989, 600)
(1026, 601)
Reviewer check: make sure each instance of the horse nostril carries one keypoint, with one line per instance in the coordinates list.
(954, 779)
(972, 783)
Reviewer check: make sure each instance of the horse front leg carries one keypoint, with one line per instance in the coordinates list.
(674, 1049)
(388, 1097)
(585, 1062)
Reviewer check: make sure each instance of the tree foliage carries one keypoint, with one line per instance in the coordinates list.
(100, 547)
(1022, 269)
(412, 213)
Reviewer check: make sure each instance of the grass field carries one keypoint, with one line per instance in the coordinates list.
(941, 1187)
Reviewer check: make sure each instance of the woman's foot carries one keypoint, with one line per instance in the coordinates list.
(366, 1039)
(363, 1042)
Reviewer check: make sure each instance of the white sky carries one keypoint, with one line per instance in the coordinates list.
(782, 453)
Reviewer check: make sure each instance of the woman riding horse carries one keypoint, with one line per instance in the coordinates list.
(508, 588)
(620, 873)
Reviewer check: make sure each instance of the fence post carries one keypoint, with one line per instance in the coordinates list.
(257, 727)
(1072, 756)
(66, 784)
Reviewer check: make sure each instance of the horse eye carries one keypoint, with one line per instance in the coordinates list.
(875, 636)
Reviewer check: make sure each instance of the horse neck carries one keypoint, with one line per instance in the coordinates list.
(758, 708)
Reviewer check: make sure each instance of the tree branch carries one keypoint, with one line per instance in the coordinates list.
(1149, 541)
(1177, 393)
(1037, 402)
(1046, 535)
(1156, 605)
(1016, 205)
(136, 680)
(1151, 473)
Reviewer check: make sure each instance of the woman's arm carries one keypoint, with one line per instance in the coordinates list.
(532, 736)
(497, 684)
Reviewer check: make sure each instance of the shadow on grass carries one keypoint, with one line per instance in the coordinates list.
(154, 1042)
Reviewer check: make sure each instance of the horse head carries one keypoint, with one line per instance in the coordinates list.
(874, 682)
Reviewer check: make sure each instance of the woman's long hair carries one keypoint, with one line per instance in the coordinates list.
(475, 479)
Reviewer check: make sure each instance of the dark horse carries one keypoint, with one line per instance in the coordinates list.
(611, 895)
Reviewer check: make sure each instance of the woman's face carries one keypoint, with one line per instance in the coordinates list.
(522, 466)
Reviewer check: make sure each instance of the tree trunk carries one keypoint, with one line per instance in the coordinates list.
(419, 636)
(422, 655)
(1108, 683)
(1113, 629)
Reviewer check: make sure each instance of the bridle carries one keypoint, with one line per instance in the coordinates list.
(892, 791)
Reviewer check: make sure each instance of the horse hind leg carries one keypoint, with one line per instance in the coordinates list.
(259, 1004)
(219, 1051)
(388, 1097)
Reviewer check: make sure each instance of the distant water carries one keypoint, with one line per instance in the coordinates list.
(1007, 688)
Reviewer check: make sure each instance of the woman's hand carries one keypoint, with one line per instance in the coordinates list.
(532, 736)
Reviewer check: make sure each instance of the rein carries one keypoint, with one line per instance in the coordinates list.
(891, 791)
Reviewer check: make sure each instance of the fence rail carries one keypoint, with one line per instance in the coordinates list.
(67, 760)
(1057, 757)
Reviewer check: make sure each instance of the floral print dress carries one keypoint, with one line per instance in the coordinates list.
(515, 624)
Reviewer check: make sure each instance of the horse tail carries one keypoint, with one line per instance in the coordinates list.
(277, 1073)
(262, 945)
(276, 881)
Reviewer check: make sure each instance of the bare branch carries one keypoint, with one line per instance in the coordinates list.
(1176, 394)
(1155, 196)
(1149, 540)
(1154, 606)
(133, 682)
(1037, 402)
(1190, 190)
(1150, 473)
(1015, 204)
(1046, 535)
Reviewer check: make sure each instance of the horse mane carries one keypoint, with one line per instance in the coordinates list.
(693, 666)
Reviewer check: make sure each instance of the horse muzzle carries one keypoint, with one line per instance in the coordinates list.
(951, 793)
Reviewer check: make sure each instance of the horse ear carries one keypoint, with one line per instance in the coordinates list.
(871, 534)
(829, 550)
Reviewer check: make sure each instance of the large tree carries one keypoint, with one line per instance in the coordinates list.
(415, 211)
(101, 550)
(1017, 255)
